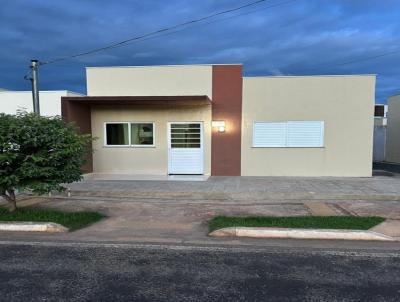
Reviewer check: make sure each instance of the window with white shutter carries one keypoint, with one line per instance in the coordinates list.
(295, 134)
(269, 134)
(305, 134)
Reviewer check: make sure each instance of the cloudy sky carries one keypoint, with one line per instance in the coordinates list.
(276, 37)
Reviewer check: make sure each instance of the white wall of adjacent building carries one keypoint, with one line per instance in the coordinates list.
(50, 101)
(393, 130)
(379, 140)
(380, 130)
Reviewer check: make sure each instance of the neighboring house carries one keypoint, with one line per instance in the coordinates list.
(393, 130)
(380, 123)
(50, 101)
(209, 119)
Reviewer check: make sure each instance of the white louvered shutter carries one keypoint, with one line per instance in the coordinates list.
(305, 134)
(268, 134)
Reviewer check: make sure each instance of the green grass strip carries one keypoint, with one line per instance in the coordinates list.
(304, 222)
(72, 220)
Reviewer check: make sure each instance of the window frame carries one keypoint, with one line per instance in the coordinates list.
(105, 135)
(142, 146)
(286, 135)
(129, 145)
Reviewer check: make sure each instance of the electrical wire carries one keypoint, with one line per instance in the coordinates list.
(28, 74)
(332, 65)
(188, 24)
(118, 44)
(210, 22)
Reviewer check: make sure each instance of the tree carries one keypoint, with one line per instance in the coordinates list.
(39, 154)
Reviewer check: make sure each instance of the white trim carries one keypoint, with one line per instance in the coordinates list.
(311, 76)
(150, 66)
(43, 91)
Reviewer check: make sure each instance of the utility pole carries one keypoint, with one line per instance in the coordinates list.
(35, 88)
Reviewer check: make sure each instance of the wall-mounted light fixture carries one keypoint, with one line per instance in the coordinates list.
(219, 124)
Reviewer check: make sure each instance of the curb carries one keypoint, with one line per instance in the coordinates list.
(27, 226)
(287, 233)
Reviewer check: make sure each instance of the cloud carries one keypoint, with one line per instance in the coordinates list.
(299, 37)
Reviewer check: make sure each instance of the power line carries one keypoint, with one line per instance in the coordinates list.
(28, 74)
(167, 31)
(211, 22)
(354, 61)
(118, 44)
(369, 58)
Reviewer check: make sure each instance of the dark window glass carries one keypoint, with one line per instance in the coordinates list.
(379, 110)
(185, 135)
(185, 126)
(185, 130)
(186, 145)
(117, 134)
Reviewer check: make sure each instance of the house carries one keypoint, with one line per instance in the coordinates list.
(380, 123)
(50, 101)
(211, 120)
(393, 130)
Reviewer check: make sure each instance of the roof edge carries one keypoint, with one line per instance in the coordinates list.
(41, 91)
(139, 100)
(150, 66)
(315, 75)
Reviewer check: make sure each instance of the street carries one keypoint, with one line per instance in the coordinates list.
(130, 272)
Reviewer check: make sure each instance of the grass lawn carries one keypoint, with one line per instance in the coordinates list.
(304, 222)
(71, 220)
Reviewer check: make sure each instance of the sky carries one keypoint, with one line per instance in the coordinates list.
(276, 37)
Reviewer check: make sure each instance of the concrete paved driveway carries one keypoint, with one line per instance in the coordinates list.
(155, 211)
(133, 220)
(155, 221)
(247, 188)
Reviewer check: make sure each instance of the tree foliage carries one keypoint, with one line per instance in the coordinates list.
(39, 154)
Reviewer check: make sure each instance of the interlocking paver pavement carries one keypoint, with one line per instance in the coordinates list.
(169, 211)
(247, 188)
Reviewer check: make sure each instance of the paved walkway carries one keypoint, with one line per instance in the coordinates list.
(136, 220)
(177, 212)
(247, 188)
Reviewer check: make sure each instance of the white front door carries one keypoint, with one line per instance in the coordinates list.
(185, 148)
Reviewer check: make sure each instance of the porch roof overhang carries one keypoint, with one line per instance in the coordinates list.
(140, 100)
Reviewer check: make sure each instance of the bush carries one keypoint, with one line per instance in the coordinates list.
(38, 153)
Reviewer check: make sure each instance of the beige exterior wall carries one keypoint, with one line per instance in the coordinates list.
(145, 160)
(344, 103)
(149, 80)
(393, 130)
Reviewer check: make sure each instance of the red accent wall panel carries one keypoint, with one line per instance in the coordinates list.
(227, 86)
(80, 114)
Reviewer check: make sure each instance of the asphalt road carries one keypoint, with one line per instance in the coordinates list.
(91, 272)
